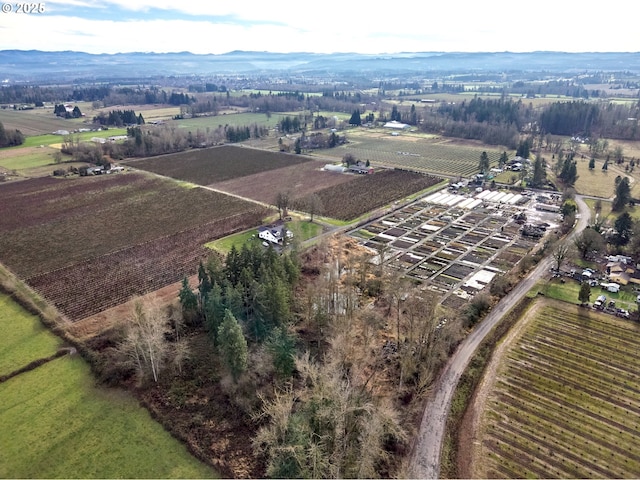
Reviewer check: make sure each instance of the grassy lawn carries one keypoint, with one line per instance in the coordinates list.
(24, 339)
(304, 230)
(223, 245)
(568, 292)
(57, 424)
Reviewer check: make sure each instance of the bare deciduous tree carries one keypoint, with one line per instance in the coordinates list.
(145, 344)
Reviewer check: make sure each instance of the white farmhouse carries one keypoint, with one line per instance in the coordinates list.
(273, 233)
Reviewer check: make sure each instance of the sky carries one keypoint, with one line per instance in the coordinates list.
(327, 26)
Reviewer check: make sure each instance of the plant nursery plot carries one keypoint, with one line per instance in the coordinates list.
(396, 232)
(473, 238)
(566, 402)
(402, 244)
(211, 165)
(452, 232)
(458, 271)
(495, 242)
(445, 280)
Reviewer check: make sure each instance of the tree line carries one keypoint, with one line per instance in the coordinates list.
(119, 118)
(10, 138)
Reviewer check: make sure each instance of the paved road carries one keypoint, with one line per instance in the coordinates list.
(425, 458)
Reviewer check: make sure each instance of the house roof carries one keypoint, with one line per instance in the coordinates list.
(396, 124)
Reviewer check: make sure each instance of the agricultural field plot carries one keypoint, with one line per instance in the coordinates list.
(92, 242)
(347, 201)
(36, 122)
(601, 183)
(217, 164)
(566, 402)
(57, 424)
(299, 180)
(24, 338)
(150, 112)
(233, 120)
(27, 158)
(439, 156)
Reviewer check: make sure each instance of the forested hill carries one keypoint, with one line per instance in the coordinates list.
(35, 65)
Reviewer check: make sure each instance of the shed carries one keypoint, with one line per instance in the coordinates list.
(335, 168)
(611, 287)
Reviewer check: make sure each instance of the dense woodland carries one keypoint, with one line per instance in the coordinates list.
(301, 364)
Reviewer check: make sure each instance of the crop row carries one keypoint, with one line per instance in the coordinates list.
(75, 220)
(426, 156)
(96, 284)
(350, 200)
(568, 402)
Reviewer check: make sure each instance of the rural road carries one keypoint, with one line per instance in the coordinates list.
(425, 457)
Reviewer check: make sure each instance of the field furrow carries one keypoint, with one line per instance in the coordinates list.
(567, 401)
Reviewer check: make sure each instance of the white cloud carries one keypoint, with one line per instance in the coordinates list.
(328, 26)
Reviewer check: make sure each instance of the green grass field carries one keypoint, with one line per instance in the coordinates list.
(24, 339)
(568, 292)
(26, 158)
(49, 139)
(236, 120)
(57, 424)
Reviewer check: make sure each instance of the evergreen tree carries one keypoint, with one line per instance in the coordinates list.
(585, 293)
(188, 301)
(282, 346)
(232, 345)
(214, 312)
(624, 229)
(623, 195)
(569, 172)
(502, 161)
(523, 149)
(204, 286)
(355, 118)
(484, 163)
(539, 173)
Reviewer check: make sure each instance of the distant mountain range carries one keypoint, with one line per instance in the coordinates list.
(35, 65)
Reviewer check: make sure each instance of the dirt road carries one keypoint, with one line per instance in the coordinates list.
(425, 458)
